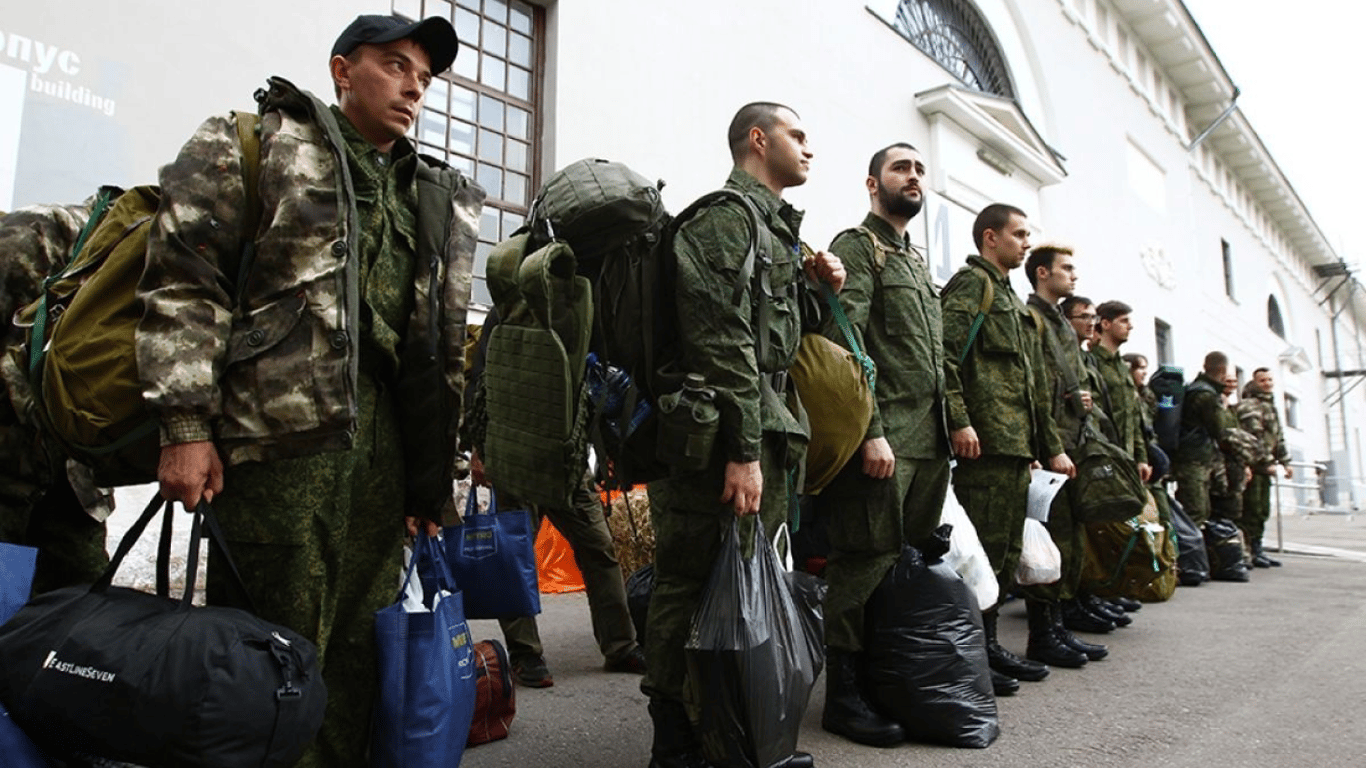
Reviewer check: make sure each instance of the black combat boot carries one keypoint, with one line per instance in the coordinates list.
(1044, 644)
(1003, 685)
(1076, 618)
(1093, 651)
(1106, 610)
(1260, 559)
(1004, 661)
(674, 746)
(1127, 603)
(846, 711)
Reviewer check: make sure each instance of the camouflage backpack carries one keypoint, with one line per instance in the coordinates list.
(79, 354)
(609, 293)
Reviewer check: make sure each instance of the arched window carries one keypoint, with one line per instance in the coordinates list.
(1273, 317)
(954, 34)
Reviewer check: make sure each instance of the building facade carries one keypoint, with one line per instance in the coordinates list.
(1111, 122)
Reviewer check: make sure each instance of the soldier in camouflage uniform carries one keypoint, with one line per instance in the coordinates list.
(1000, 419)
(326, 375)
(1052, 275)
(891, 493)
(1203, 421)
(760, 437)
(1256, 412)
(46, 500)
(1232, 466)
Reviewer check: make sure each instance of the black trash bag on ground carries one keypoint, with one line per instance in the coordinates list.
(639, 587)
(1225, 549)
(926, 655)
(752, 659)
(1192, 561)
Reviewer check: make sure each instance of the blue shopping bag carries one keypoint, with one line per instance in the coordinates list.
(16, 578)
(427, 673)
(493, 559)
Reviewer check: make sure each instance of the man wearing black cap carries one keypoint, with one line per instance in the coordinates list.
(302, 345)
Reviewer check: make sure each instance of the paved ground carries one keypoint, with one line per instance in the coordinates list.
(1268, 674)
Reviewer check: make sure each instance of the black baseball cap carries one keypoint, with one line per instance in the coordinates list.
(435, 35)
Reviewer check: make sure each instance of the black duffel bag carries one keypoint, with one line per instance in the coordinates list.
(155, 680)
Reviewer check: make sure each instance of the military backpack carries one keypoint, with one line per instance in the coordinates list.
(80, 356)
(591, 273)
(1168, 385)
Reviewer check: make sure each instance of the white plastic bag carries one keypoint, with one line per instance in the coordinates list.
(966, 556)
(1040, 560)
(1043, 486)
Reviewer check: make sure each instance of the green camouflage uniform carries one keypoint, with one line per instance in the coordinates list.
(330, 380)
(1201, 425)
(1256, 411)
(1062, 352)
(46, 501)
(1238, 449)
(1121, 402)
(999, 388)
(893, 308)
(760, 417)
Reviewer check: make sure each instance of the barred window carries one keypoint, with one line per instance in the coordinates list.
(483, 116)
(953, 33)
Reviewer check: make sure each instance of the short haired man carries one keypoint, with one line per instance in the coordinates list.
(746, 481)
(892, 491)
(1053, 277)
(1081, 313)
(1000, 419)
(1201, 426)
(1257, 413)
(328, 377)
(1118, 394)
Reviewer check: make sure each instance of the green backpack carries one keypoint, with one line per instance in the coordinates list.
(591, 273)
(80, 352)
(1107, 487)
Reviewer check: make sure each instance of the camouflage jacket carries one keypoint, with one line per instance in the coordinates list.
(1201, 422)
(719, 336)
(1256, 411)
(1000, 387)
(894, 312)
(1065, 368)
(1121, 402)
(267, 365)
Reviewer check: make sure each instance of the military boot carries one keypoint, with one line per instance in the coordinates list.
(1106, 610)
(1076, 618)
(1004, 661)
(674, 746)
(1003, 685)
(846, 711)
(1260, 559)
(1093, 651)
(1044, 644)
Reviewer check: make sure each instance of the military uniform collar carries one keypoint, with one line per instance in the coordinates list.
(1103, 352)
(991, 269)
(1041, 304)
(884, 230)
(770, 206)
(400, 155)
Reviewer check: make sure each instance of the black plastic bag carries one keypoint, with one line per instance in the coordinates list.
(1225, 548)
(1192, 562)
(927, 657)
(639, 587)
(752, 659)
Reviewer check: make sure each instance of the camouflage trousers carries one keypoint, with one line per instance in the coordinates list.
(1069, 534)
(994, 491)
(585, 528)
(1192, 489)
(318, 540)
(690, 525)
(868, 522)
(1256, 508)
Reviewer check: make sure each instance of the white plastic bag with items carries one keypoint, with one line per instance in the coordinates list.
(1040, 560)
(966, 556)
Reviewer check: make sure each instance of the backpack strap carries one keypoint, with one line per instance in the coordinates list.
(865, 362)
(988, 298)
(249, 139)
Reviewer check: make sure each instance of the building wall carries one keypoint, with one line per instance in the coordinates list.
(655, 84)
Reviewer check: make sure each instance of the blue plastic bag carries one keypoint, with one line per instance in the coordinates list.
(16, 578)
(427, 673)
(493, 559)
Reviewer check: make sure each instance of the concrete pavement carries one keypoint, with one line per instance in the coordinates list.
(1268, 674)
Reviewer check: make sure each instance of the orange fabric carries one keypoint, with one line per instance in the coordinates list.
(555, 566)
